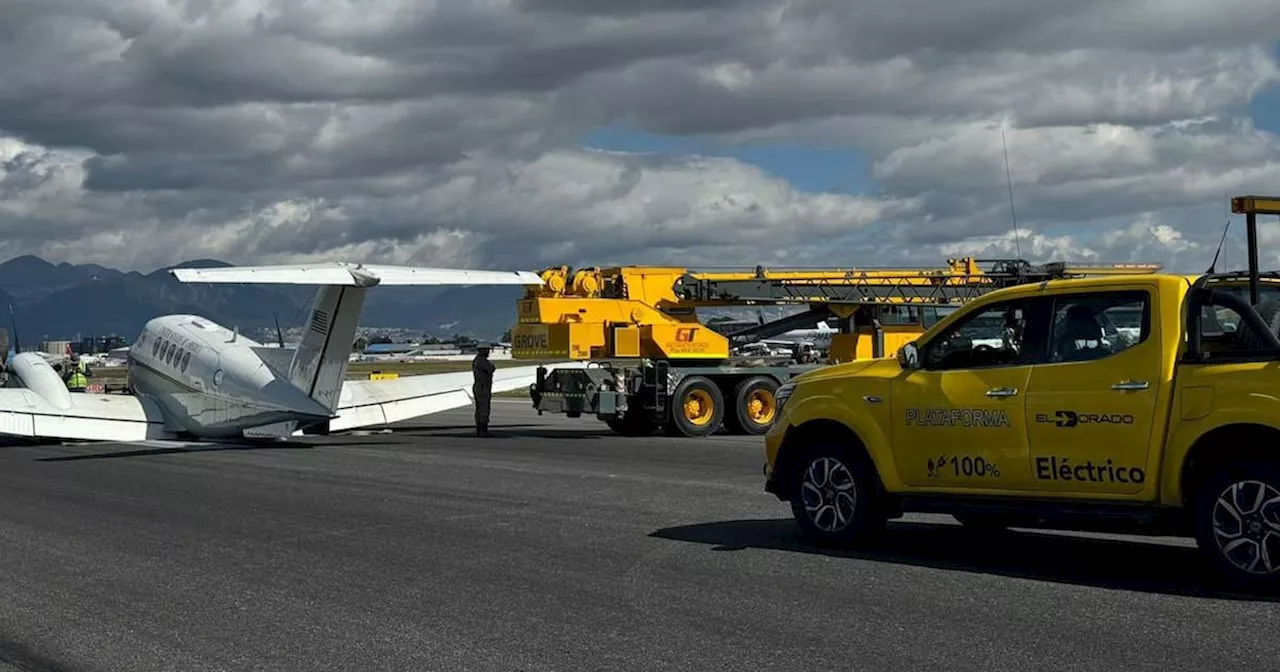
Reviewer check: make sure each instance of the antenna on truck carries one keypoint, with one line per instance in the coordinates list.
(1218, 251)
(1013, 214)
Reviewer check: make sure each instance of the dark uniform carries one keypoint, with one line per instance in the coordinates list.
(482, 389)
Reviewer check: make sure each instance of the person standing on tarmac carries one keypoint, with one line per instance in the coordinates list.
(482, 388)
(77, 374)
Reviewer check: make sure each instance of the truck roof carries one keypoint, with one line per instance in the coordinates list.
(1165, 281)
(1029, 288)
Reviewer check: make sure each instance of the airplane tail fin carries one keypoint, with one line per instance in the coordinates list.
(319, 364)
(15, 347)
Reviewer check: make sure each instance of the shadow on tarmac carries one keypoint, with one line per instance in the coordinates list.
(536, 431)
(403, 427)
(505, 432)
(1136, 565)
(170, 450)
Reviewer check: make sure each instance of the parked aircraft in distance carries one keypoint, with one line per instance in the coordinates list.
(818, 337)
(196, 379)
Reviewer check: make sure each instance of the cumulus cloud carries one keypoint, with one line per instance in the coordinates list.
(565, 204)
(141, 132)
(1145, 239)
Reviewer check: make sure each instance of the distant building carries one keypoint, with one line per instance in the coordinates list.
(390, 348)
(96, 344)
(4, 341)
(55, 347)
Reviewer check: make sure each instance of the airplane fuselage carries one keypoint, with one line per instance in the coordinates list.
(819, 338)
(193, 377)
(210, 381)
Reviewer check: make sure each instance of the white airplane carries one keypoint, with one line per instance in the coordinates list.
(196, 379)
(819, 337)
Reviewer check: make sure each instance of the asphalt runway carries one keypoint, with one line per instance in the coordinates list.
(553, 546)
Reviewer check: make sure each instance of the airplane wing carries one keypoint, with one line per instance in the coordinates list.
(347, 274)
(89, 417)
(366, 403)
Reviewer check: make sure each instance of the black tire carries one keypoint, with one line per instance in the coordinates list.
(635, 422)
(755, 406)
(1231, 546)
(708, 398)
(861, 501)
(1269, 311)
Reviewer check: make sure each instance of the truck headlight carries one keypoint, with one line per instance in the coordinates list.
(780, 397)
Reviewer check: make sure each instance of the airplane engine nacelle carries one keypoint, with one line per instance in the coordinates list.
(34, 373)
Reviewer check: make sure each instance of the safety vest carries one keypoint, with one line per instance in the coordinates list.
(77, 380)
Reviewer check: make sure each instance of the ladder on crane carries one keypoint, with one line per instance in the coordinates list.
(863, 291)
(960, 282)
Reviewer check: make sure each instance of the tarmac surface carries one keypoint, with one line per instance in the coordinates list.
(552, 546)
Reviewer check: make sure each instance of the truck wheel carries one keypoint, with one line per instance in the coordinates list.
(755, 405)
(1269, 311)
(1237, 523)
(697, 408)
(836, 497)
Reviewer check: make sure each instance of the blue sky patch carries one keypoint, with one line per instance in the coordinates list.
(1265, 109)
(809, 168)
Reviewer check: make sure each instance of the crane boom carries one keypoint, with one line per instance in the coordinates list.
(961, 281)
(641, 324)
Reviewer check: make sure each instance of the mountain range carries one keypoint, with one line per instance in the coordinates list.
(61, 301)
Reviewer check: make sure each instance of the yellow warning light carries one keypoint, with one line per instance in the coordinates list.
(1259, 205)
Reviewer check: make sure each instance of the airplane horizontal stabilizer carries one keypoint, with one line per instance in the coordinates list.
(378, 403)
(354, 275)
(91, 417)
(374, 403)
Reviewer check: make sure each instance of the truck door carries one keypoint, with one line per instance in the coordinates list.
(1092, 404)
(959, 421)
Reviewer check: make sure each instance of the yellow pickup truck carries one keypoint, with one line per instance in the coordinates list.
(1127, 403)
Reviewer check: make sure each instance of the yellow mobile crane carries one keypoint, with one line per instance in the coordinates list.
(658, 366)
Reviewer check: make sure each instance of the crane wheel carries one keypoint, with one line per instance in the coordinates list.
(755, 405)
(697, 408)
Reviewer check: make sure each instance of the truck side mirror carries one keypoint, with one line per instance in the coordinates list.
(909, 356)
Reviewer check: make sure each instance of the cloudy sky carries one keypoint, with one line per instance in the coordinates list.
(523, 133)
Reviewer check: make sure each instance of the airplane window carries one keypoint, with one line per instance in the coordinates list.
(186, 359)
(155, 347)
(177, 357)
(168, 356)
